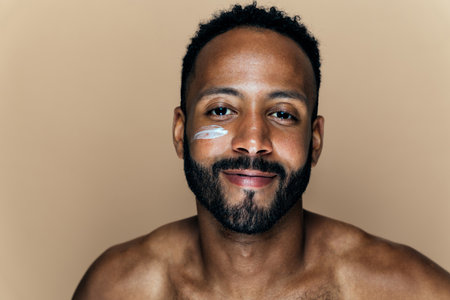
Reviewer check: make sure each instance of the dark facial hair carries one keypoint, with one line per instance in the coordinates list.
(246, 217)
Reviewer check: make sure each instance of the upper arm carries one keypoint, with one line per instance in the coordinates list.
(432, 281)
(123, 274)
(381, 269)
(96, 280)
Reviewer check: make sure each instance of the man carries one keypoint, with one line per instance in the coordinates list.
(249, 133)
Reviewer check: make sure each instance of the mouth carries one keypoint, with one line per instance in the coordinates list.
(249, 178)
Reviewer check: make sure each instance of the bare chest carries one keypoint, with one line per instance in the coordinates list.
(322, 292)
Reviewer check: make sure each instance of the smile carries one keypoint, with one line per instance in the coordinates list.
(249, 178)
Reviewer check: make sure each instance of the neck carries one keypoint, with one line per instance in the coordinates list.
(231, 257)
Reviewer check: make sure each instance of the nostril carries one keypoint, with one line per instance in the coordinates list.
(262, 151)
(242, 150)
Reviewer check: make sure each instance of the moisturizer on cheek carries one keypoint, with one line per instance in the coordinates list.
(210, 132)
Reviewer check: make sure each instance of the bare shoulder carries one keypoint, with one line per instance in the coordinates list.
(139, 269)
(369, 267)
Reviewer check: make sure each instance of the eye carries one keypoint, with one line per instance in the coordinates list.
(283, 115)
(220, 111)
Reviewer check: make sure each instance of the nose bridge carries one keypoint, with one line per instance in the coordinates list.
(252, 135)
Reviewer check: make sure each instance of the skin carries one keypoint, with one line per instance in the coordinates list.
(305, 255)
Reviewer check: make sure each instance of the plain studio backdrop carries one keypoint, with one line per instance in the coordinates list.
(87, 91)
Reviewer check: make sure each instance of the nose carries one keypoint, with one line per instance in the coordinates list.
(252, 136)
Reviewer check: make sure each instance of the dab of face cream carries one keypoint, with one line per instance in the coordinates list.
(210, 132)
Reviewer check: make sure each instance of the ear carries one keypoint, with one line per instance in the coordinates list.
(178, 130)
(317, 139)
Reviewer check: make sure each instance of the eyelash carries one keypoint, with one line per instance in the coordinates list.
(288, 116)
(284, 117)
(211, 112)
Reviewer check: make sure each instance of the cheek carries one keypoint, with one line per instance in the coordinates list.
(208, 143)
(293, 150)
(210, 132)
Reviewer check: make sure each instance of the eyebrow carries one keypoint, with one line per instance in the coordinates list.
(220, 90)
(290, 94)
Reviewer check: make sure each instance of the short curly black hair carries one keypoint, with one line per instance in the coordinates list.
(251, 16)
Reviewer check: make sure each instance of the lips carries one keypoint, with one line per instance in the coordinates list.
(249, 178)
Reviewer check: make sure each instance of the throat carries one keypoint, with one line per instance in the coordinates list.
(229, 256)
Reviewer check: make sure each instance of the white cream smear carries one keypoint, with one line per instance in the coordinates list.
(210, 132)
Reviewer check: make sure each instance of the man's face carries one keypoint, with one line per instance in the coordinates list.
(248, 140)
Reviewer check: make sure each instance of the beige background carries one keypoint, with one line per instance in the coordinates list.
(87, 90)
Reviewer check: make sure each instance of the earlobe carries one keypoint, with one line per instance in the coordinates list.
(317, 139)
(178, 130)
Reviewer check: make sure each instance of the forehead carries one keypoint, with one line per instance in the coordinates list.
(252, 56)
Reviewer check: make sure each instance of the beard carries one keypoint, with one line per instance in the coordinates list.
(246, 217)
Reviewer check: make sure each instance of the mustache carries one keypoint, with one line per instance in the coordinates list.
(245, 162)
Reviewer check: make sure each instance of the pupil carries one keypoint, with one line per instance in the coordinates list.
(282, 115)
(221, 111)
